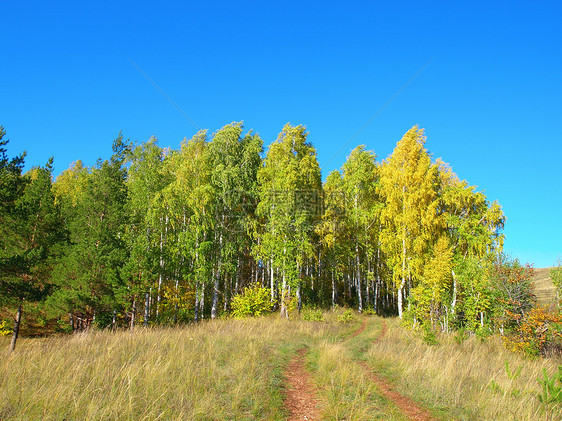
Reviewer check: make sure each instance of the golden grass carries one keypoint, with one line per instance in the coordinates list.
(543, 287)
(344, 388)
(233, 370)
(221, 370)
(466, 381)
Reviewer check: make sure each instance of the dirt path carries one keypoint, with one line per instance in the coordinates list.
(300, 397)
(407, 405)
(360, 330)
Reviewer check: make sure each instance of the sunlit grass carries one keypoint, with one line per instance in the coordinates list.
(233, 370)
(467, 380)
(221, 370)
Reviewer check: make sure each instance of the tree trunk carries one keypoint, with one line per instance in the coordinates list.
(133, 313)
(16, 328)
(333, 290)
(227, 288)
(202, 303)
(146, 308)
(284, 312)
(400, 292)
(215, 297)
(454, 302)
(272, 282)
(217, 280)
(196, 309)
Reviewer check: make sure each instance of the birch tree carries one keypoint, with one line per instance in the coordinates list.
(408, 188)
(290, 190)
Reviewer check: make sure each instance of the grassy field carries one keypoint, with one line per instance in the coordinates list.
(464, 378)
(233, 370)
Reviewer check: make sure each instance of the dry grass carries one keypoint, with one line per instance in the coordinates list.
(221, 370)
(344, 388)
(233, 370)
(465, 381)
(543, 287)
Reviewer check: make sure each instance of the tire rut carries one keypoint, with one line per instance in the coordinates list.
(410, 408)
(300, 397)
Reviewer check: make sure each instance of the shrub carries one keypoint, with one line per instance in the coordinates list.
(539, 333)
(313, 315)
(5, 329)
(346, 317)
(429, 336)
(254, 301)
(369, 311)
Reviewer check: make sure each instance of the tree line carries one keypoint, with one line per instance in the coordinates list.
(159, 235)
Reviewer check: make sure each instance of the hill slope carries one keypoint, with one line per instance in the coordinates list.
(544, 288)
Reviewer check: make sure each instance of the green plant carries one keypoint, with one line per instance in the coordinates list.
(369, 311)
(495, 387)
(512, 375)
(254, 301)
(460, 336)
(5, 329)
(313, 315)
(346, 317)
(551, 388)
(429, 337)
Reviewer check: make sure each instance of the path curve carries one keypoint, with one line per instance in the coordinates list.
(360, 330)
(300, 396)
(406, 405)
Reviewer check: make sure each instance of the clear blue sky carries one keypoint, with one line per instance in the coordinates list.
(490, 98)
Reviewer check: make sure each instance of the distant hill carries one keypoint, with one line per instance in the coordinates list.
(544, 288)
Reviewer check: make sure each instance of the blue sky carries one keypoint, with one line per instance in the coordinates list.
(489, 99)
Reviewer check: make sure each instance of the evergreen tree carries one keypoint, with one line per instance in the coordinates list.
(30, 228)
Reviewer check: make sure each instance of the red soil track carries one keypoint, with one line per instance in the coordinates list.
(300, 396)
(406, 405)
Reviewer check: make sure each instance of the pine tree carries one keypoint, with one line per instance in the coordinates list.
(31, 228)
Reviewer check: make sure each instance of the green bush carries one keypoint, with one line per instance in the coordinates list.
(254, 301)
(5, 328)
(313, 315)
(346, 317)
(429, 337)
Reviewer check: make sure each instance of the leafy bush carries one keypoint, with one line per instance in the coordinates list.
(346, 317)
(429, 337)
(539, 333)
(5, 329)
(460, 335)
(254, 301)
(369, 311)
(313, 315)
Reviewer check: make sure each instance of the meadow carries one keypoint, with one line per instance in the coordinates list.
(234, 370)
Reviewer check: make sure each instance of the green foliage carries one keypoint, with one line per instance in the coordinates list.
(551, 388)
(312, 314)
(512, 374)
(429, 337)
(171, 233)
(5, 328)
(254, 301)
(346, 317)
(460, 335)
